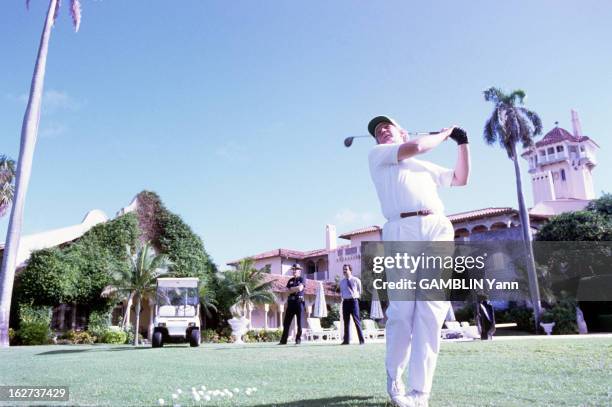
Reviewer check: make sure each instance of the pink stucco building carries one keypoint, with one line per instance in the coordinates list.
(560, 168)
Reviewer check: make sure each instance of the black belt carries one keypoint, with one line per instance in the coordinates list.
(422, 212)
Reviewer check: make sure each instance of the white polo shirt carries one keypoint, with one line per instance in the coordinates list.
(408, 185)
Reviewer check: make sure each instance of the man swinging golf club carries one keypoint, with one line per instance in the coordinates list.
(407, 190)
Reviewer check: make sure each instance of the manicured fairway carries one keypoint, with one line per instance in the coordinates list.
(528, 372)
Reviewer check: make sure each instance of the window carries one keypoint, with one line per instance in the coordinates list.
(559, 149)
(542, 153)
(581, 148)
(350, 250)
(563, 175)
(551, 150)
(573, 149)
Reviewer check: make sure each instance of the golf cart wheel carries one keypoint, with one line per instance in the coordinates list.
(194, 337)
(158, 340)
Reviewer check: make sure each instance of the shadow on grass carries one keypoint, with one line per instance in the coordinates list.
(329, 402)
(92, 349)
(249, 346)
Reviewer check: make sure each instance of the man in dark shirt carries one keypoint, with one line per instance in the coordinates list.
(295, 305)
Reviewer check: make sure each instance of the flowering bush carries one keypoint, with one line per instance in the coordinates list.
(73, 337)
(272, 335)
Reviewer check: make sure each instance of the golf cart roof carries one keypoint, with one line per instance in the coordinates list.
(177, 282)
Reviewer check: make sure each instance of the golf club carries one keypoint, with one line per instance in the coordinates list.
(349, 140)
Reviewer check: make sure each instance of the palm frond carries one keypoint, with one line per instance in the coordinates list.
(535, 120)
(520, 94)
(75, 13)
(58, 4)
(490, 132)
(526, 131)
(493, 94)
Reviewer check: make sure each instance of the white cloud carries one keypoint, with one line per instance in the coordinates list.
(53, 101)
(52, 130)
(231, 151)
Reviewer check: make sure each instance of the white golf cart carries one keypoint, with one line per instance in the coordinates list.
(177, 311)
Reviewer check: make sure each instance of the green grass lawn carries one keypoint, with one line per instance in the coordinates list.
(529, 372)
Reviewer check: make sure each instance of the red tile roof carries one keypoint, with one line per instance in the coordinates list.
(360, 231)
(559, 134)
(286, 253)
(279, 285)
(481, 213)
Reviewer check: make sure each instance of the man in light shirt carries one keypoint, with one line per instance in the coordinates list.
(407, 189)
(350, 290)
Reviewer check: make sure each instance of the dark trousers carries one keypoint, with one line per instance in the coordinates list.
(294, 309)
(351, 307)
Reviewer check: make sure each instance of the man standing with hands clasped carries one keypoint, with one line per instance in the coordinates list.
(407, 191)
(295, 305)
(350, 289)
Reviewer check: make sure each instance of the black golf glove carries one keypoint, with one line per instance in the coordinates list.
(459, 135)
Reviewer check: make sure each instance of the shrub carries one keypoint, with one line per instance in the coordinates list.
(34, 324)
(523, 317)
(84, 337)
(209, 335)
(332, 315)
(30, 314)
(212, 336)
(113, 336)
(34, 333)
(99, 321)
(466, 313)
(76, 337)
(11, 333)
(563, 314)
(270, 335)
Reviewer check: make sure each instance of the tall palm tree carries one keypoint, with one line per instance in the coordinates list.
(29, 134)
(247, 286)
(7, 189)
(140, 279)
(510, 124)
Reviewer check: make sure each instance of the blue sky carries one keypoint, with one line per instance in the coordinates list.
(235, 112)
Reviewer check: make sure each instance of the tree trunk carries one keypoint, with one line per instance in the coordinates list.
(126, 313)
(526, 231)
(29, 133)
(137, 320)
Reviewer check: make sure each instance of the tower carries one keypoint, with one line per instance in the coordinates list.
(561, 166)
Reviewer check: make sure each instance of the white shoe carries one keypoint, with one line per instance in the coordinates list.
(402, 401)
(419, 399)
(397, 393)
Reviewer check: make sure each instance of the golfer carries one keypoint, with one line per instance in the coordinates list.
(407, 190)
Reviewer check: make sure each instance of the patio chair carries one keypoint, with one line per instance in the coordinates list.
(453, 329)
(315, 330)
(371, 330)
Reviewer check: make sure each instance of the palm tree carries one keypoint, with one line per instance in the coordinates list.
(139, 280)
(247, 286)
(208, 302)
(510, 124)
(29, 134)
(7, 189)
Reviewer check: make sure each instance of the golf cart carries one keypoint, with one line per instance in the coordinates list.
(177, 311)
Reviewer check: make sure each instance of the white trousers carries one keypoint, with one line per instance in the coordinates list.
(413, 327)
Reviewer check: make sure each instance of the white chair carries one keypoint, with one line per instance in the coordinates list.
(315, 330)
(371, 330)
(452, 327)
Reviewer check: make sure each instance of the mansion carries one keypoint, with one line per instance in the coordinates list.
(560, 168)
